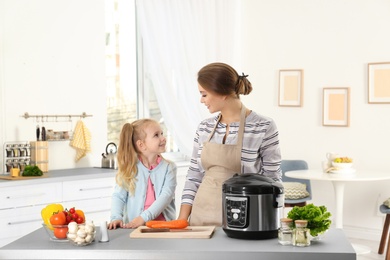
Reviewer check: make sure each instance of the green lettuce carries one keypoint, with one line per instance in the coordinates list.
(317, 217)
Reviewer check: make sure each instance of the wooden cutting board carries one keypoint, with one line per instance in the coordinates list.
(195, 232)
(11, 178)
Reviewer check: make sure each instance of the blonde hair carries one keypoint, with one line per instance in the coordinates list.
(128, 152)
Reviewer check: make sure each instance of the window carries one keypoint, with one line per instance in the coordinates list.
(130, 93)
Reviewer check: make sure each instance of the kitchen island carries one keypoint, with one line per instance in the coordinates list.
(36, 245)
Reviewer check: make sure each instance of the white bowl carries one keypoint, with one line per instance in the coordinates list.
(342, 165)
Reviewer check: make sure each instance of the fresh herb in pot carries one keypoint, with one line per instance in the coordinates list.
(32, 170)
(317, 217)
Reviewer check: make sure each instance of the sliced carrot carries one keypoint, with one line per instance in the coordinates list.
(173, 224)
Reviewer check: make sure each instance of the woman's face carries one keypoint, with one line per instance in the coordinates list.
(212, 101)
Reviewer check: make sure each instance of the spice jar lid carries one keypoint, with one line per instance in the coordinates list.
(286, 220)
(300, 223)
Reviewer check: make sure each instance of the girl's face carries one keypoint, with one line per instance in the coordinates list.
(155, 141)
(213, 102)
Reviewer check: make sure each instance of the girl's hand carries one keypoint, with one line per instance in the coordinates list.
(138, 221)
(114, 224)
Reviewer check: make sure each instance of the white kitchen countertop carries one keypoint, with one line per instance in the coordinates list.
(63, 175)
(37, 245)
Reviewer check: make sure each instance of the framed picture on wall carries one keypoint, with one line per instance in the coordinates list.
(379, 82)
(291, 88)
(335, 107)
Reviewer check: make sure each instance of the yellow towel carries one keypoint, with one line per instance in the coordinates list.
(81, 140)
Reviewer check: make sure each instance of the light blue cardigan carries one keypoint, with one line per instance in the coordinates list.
(126, 207)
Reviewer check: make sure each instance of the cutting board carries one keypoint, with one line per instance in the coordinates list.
(11, 178)
(196, 232)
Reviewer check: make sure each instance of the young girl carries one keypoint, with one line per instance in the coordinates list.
(146, 182)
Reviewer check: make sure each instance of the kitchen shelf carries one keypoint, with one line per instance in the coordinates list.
(82, 115)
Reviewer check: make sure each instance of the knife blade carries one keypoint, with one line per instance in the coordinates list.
(153, 230)
(38, 132)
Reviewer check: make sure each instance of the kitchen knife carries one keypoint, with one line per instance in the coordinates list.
(43, 133)
(153, 230)
(38, 132)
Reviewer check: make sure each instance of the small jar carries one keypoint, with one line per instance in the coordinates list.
(301, 233)
(285, 231)
(16, 150)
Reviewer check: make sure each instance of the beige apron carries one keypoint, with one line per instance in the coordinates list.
(221, 162)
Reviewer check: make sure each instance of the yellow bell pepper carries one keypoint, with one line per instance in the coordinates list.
(48, 211)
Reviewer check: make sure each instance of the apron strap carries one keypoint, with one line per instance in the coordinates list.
(215, 127)
(241, 127)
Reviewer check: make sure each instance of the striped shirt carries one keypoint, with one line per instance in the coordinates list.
(260, 150)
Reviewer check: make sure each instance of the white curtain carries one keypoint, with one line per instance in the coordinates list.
(179, 37)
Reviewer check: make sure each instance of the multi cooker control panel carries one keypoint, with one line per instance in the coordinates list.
(236, 211)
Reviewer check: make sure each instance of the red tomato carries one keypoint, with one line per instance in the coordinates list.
(72, 210)
(79, 220)
(60, 232)
(58, 219)
(68, 219)
(81, 214)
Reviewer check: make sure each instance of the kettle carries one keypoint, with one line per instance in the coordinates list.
(109, 158)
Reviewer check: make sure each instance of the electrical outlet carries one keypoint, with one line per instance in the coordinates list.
(379, 202)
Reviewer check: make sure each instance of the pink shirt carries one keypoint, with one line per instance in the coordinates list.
(150, 194)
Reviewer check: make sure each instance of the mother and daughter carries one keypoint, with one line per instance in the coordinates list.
(237, 140)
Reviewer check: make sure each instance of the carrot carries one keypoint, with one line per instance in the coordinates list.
(173, 224)
(153, 222)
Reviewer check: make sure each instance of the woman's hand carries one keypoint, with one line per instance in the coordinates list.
(138, 221)
(114, 224)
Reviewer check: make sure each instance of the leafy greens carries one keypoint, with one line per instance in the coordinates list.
(317, 217)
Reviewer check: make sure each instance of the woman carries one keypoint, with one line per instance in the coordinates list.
(237, 140)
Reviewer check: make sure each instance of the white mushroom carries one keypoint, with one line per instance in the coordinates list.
(72, 236)
(88, 238)
(81, 233)
(72, 227)
(79, 240)
(89, 229)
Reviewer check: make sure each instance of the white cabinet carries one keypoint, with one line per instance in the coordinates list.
(21, 205)
(21, 196)
(91, 196)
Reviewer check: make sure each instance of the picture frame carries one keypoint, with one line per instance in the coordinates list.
(291, 88)
(335, 106)
(379, 83)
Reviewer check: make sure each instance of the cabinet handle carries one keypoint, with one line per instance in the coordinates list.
(97, 188)
(24, 196)
(23, 221)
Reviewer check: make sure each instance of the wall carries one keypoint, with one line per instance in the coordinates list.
(52, 62)
(332, 41)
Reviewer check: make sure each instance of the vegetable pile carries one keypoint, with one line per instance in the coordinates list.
(317, 217)
(57, 218)
(32, 170)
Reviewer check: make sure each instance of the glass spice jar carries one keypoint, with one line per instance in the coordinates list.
(285, 231)
(301, 233)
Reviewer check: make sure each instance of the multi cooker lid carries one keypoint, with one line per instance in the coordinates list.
(251, 184)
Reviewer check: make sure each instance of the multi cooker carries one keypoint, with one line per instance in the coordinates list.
(252, 206)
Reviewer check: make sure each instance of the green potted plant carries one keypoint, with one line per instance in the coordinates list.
(317, 218)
